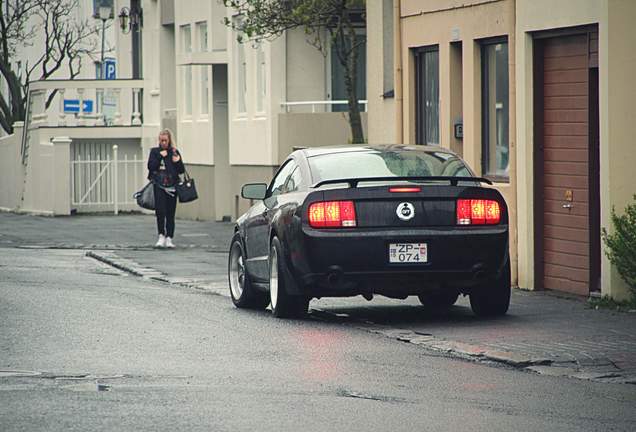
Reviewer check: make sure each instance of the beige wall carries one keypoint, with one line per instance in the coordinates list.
(617, 67)
(381, 111)
(313, 130)
(11, 170)
(202, 208)
(440, 23)
(242, 174)
(618, 147)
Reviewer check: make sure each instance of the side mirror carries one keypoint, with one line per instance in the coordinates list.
(254, 191)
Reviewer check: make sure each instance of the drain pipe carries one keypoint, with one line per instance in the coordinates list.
(399, 101)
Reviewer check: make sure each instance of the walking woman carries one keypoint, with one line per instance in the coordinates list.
(164, 167)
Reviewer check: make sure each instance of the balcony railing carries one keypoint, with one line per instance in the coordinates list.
(86, 103)
(324, 104)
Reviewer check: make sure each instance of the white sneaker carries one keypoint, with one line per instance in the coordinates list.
(161, 242)
(169, 243)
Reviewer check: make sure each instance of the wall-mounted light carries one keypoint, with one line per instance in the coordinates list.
(130, 19)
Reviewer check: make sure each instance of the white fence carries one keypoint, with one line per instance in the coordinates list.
(106, 182)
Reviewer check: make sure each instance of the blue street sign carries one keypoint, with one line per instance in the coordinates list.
(72, 106)
(110, 71)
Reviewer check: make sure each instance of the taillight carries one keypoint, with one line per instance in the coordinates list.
(478, 212)
(332, 214)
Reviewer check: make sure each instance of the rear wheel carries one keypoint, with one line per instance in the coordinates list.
(284, 305)
(439, 300)
(243, 294)
(492, 298)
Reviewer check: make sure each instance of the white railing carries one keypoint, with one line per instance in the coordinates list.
(114, 102)
(324, 103)
(106, 181)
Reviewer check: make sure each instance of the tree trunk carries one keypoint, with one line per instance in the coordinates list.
(351, 79)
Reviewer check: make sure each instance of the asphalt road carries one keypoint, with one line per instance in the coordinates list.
(114, 352)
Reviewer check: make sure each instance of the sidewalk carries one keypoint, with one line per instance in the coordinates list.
(542, 333)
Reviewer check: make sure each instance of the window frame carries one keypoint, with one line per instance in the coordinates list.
(186, 48)
(420, 122)
(188, 92)
(202, 37)
(485, 113)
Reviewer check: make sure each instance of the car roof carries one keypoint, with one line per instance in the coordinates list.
(351, 148)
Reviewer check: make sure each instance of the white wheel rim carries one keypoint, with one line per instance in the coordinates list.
(237, 271)
(273, 277)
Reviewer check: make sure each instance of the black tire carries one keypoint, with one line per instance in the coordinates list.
(492, 298)
(284, 305)
(242, 292)
(439, 300)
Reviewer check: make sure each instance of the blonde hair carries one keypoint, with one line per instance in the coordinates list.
(170, 136)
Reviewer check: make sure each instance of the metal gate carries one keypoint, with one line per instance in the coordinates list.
(102, 180)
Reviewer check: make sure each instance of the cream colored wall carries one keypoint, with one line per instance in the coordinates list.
(313, 130)
(381, 111)
(202, 208)
(618, 147)
(195, 130)
(11, 170)
(438, 23)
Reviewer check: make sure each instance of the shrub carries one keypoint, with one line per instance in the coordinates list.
(621, 244)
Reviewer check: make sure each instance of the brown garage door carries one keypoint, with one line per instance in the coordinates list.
(565, 189)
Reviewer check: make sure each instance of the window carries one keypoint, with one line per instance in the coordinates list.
(186, 38)
(338, 89)
(205, 90)
(427, 88)
(187, 91)
(260, 78)
(277, 186)
(494, 78)
(241, 81)
(294, 181)
(387, 46)
(390, 163)
(202, 33)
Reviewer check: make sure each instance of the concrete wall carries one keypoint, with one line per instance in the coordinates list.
(313, 130)
(442, 22)
(11, 170)
(618, 155)
(203, 208)
(381, 111)
(242, 174)
(617, 67)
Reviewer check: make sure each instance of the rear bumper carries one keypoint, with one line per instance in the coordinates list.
(348, 262)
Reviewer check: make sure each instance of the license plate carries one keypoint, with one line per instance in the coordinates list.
(408, 253)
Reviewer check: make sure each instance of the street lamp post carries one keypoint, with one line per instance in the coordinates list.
(104, 15)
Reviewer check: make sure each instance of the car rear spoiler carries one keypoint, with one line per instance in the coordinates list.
(353, 182)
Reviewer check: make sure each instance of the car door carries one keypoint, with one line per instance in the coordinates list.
(257, 226)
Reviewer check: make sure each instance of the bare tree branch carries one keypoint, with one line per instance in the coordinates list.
(53, 27)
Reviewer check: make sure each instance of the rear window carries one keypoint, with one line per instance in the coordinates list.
(373, 163)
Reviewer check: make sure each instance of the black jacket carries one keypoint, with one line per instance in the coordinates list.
(170, 174)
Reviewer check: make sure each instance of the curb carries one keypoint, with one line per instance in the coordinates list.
(455, 349)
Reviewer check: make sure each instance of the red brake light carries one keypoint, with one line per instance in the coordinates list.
(405, 189)
(478, 212)
(332, 214)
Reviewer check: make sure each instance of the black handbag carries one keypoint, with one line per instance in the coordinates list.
(146, 197)
(186, 190)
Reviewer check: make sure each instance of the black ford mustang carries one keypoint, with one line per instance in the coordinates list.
(363, 220)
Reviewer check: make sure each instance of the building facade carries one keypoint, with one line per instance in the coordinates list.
(535, 96)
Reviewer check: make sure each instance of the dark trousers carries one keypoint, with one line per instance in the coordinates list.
(165, 208)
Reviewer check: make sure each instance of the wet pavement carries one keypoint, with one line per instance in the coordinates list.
(543, 332)
(85, 346)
